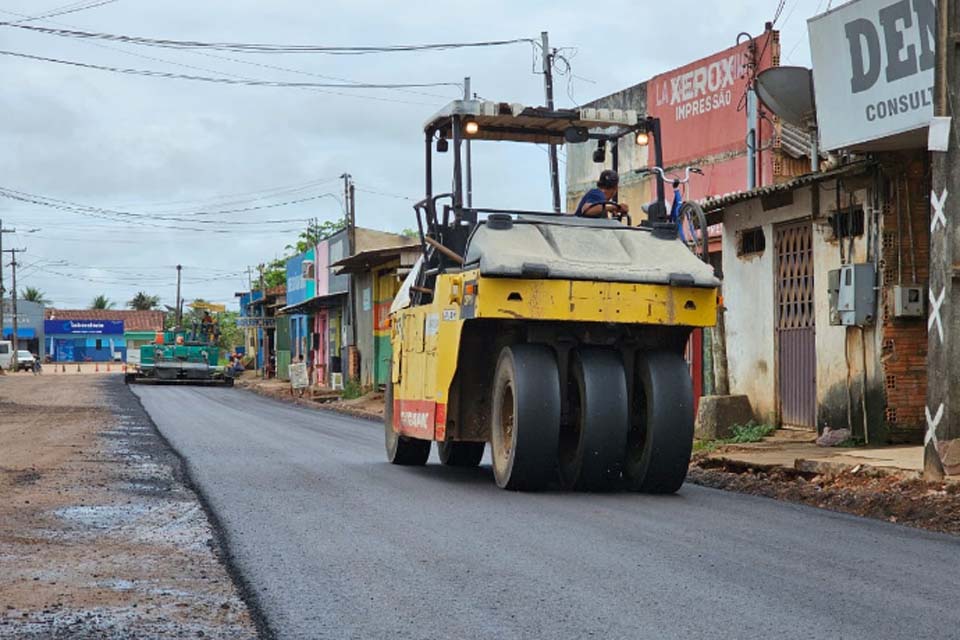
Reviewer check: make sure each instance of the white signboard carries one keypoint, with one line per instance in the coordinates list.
(298, 375)
(873, 69)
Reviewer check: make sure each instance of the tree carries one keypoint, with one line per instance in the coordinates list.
(231, 336)
(102, 302)
(275, 274)
(411, 233)
(315, 233)
(143, 302)
(32, 294)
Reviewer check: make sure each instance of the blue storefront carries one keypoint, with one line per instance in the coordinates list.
(85, 340)
(301, 286)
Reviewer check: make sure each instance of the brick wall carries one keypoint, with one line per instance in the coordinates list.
(904, 342)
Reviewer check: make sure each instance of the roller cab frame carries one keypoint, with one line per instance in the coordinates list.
(558, 340)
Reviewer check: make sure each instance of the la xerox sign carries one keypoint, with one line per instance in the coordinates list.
(873, 69)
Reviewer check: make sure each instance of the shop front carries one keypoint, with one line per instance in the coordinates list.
(85, 340)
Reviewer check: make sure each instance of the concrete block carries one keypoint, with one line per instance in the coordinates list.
(718, 414)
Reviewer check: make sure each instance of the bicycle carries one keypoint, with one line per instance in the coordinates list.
(688, 215)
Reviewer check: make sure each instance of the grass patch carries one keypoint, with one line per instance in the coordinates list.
(742, 434)
(852, 443)
(352, 390)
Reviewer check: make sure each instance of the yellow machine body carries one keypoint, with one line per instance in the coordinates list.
(427, 345)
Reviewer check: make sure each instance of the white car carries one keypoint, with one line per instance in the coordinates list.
(25, 360)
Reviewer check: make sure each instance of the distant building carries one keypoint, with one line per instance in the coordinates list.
(98, 335)
(331, 325)
(30, 334)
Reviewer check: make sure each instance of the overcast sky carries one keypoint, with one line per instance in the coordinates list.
(163, 146)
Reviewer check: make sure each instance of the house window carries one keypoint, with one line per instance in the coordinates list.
(751, 242)
(847, 223)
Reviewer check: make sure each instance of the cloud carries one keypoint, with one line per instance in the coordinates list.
(109, 139)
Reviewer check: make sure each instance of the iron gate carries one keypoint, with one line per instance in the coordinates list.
(796, 346)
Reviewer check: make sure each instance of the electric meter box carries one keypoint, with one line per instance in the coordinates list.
(907, 301)
(852, 295)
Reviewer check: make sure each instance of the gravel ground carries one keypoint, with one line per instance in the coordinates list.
(100, 534)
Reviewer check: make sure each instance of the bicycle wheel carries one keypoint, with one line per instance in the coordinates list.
(693, 229)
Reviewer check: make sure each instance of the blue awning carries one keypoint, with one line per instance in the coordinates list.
(23, 333)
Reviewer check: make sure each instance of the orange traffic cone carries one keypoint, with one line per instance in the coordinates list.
(96, 367)
(108, 367)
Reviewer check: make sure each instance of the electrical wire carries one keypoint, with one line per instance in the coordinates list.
(72, 7)
(233, 81)
(386, 194)
(233, 199)
(250, 62)
(67, 205)
(240, 47)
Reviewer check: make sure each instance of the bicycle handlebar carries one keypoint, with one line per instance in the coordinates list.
(659, 170)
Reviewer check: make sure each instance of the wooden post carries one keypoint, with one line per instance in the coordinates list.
(718, 344)
(941, 452)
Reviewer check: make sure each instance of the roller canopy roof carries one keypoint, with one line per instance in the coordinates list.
(570, 248)
(511, 121)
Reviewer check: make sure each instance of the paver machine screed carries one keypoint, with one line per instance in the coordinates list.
(557, 339)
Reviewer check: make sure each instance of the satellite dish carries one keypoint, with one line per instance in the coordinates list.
(788, 92)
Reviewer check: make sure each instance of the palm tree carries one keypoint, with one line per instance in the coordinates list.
(32, 294)
(102, 302)
(143, 302)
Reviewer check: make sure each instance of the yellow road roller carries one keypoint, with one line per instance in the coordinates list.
(555, 338)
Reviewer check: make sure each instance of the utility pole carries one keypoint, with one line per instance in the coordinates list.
(2, 231)
(548, 89)
(263, 326)
(350, 212)
(466, 96)
(941, 451)
(13, 297)
(179, 304)
(350, 194)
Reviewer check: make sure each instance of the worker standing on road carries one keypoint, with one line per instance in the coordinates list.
(598, 202)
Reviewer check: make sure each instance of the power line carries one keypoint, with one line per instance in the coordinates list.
(72, 7)
(126, 216)
(232, 81)
(241, 47)
(100, 45)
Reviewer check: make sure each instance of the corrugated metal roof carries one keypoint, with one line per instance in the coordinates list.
(132, 320)
(714, 204)
(794, 141)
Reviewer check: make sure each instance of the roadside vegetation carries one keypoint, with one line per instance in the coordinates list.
(742, 434)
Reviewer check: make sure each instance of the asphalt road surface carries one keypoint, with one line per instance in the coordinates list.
(333, 542)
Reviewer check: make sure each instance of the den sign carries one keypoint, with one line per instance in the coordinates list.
(873, 69)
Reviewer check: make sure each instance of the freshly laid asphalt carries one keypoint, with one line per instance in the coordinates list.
(333, 542)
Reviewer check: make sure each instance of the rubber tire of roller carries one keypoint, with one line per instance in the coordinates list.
(595, 460)
(460, 454)
(401, 450)
(661, 436)
(531, 375)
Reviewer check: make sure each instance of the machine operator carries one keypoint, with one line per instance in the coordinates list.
(597, 203)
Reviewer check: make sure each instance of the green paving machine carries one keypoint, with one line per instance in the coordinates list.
(185, 357)
(181, 355)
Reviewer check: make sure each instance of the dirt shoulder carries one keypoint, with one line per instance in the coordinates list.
(100, 535)
(368, 407)
(856, 488)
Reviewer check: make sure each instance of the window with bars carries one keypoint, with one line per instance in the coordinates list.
(847, 223)
(751, 242)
